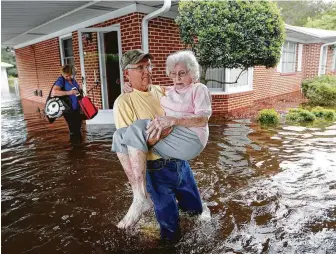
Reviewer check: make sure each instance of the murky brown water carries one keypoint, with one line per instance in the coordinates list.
(269, 190)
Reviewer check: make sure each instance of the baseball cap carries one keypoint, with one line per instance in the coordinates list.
(133, 57)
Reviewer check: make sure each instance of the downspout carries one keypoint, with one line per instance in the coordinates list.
(321, 55)
(163, 9)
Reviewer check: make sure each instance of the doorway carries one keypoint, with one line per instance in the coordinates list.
(111, 68)
(109, 52)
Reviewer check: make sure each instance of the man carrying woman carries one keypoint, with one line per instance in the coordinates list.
(178, 132)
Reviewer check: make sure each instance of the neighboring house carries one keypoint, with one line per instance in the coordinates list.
(93, 36)
(4, 76)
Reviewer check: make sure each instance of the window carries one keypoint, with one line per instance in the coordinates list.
(243, 84)
(288, 58)
(67, 56)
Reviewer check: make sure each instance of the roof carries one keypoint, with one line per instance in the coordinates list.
(6, 65)
(310, 34)
(26, 22)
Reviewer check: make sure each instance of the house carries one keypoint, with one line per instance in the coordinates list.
(92, 35)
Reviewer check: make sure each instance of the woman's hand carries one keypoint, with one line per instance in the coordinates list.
(73, 92)
(164, 133)
(127, 87)
(157, 125)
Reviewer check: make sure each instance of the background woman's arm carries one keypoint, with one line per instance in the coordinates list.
(57, 91)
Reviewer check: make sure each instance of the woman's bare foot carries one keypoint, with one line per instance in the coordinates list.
(137, 208)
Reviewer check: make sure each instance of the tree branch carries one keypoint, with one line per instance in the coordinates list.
(222, 83)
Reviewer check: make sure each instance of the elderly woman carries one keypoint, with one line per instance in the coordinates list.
(187, 107)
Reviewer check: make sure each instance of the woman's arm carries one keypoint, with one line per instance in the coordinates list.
(191, 121)
(57, 91)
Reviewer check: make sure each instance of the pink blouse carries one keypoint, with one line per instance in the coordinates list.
(190, 100)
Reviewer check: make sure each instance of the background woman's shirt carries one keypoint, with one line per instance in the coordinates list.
(66, 86)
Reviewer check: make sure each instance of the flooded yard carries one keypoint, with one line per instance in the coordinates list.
(270, 190)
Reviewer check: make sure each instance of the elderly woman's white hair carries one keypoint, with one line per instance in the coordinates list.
(187, 58)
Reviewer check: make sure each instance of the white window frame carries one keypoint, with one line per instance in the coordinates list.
(283, 57)
(61, 47)
(229, 88)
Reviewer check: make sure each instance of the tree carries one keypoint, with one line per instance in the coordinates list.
(231, 34)
(297, 13)
(8, 57)
(326, 20)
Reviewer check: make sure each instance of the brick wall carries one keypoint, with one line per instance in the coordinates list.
(164, 39)
(311, 62)
(38, 68)
(221, 104)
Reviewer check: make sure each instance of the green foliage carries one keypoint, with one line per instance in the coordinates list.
(298, 13)
(320, 90)
(232, 34)
(8, 57)
(300, 116)
(326, 114)
(268, 117)
(325, 21)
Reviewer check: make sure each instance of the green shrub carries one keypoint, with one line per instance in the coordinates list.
(268, 116)
(318, 111)
(320, 90)
(327, 114)
(300, 116)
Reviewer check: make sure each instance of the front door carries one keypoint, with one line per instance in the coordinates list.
(109, 52)
(111, 73)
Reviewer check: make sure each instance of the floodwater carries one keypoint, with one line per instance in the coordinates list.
(269, 190)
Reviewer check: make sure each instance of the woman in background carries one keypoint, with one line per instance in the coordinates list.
(66, 85)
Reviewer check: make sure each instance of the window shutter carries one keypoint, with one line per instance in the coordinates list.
(299, 66)
(279, 67)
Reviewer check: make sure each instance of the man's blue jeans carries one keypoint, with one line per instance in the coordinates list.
(169, 181)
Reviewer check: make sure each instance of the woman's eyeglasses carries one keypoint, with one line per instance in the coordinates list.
(180, 74)
(141, 68)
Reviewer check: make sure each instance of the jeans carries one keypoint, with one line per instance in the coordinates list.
(169, 181)
(74, 122)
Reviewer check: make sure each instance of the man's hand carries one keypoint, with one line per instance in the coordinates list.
(127, 87)
(158, 125)
(164, 133)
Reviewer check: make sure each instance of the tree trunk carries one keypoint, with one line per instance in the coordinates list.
(203, 75)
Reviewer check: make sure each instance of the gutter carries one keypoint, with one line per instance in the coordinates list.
(163, 9)
(321, 55)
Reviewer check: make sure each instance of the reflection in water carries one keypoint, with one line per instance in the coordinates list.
(269, 190)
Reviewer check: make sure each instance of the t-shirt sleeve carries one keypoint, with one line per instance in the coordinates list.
(59, 82)
(122, 113)
(202, 101)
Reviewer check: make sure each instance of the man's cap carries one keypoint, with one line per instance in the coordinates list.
(133, 57)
